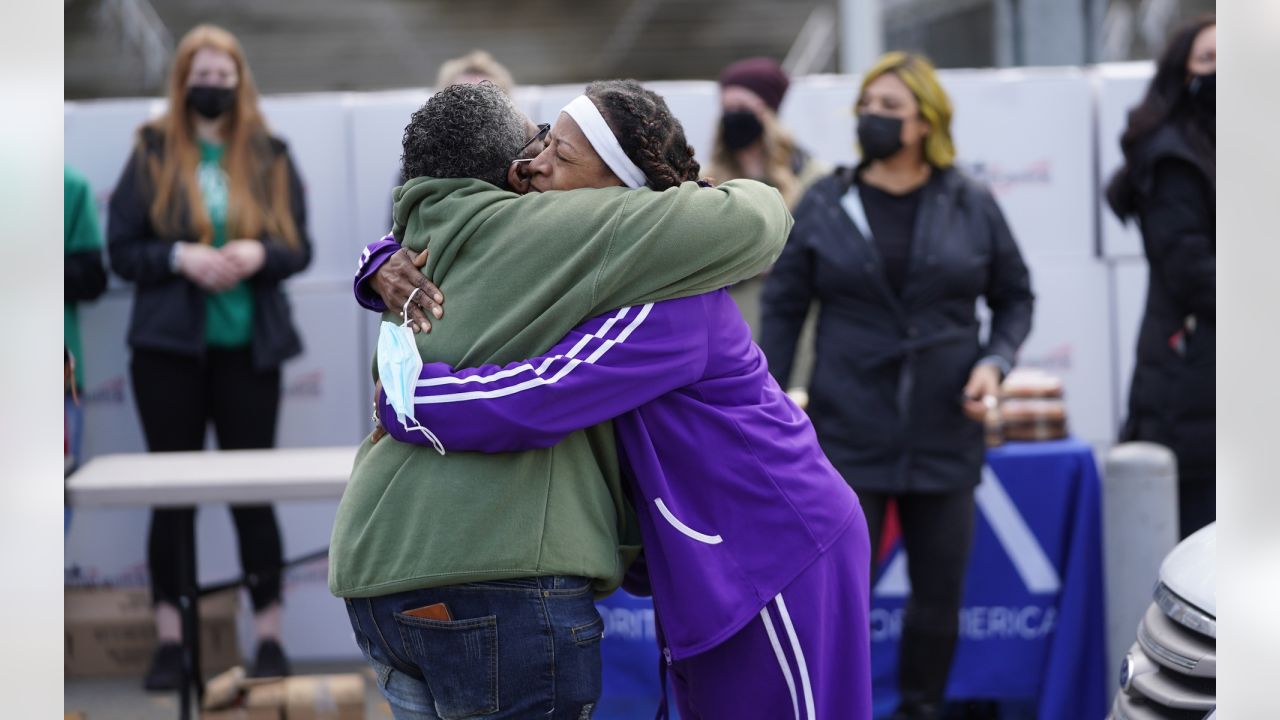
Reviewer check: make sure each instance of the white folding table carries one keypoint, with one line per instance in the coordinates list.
(184, 479)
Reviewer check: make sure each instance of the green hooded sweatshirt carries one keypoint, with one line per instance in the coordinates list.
(519, 272)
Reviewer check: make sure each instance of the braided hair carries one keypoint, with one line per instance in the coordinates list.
(647, 131)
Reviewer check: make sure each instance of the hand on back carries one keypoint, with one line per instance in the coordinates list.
(396, 280)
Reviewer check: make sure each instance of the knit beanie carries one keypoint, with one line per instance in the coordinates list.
(761, 75)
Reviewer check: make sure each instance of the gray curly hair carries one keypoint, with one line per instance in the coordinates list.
(463, 131)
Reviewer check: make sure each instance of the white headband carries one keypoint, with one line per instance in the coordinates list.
(584, 112)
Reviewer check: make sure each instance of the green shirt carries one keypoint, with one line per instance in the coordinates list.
(519, 272)
(228, 314)
(79, 233)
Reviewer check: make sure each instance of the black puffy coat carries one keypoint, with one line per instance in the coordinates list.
(1172, 396)
(885, 397)
(168, 309)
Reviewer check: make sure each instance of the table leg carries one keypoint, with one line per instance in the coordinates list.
(188, 607)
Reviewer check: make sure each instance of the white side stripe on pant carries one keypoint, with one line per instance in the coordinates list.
(782, 659)
(795, 645)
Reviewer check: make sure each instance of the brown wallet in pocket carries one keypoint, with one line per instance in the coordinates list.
(437, 611)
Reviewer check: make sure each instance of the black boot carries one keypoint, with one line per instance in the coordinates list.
(271, 661)
(165, 672)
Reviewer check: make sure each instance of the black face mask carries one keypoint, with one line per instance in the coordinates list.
(879, 135)
(740, 128)
(210, 101)
(1204, 92)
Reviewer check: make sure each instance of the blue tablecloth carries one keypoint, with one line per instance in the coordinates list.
(630, 654)
(1032, 627)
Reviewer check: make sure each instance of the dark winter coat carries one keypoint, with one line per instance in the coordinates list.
(1172, 396)
(168, 309)
(885, 397)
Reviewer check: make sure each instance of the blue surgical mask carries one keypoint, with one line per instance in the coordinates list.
(398, 367)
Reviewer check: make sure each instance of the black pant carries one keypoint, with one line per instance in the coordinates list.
(937, 533)
(177, 396)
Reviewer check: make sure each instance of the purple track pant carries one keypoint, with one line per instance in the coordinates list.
(807, 656)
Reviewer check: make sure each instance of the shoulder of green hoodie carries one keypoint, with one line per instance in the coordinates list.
(614, 246)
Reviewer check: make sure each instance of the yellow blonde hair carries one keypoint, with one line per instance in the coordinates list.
(918, 74)
(257, 185)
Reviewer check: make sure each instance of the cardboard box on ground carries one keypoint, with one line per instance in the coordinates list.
(110, 631)
(230, 696)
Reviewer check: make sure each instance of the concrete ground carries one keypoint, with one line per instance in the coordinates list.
(123, 698)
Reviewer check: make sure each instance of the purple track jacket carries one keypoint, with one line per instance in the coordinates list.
(733, 494)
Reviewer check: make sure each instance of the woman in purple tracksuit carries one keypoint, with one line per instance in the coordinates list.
(757, 549)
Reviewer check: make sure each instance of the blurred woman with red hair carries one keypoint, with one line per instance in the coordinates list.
(207, 220)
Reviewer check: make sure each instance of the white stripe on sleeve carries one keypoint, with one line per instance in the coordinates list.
(539, 379)
(527, 367)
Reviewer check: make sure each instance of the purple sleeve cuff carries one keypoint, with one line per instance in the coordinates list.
(387, 416)
(371, 259)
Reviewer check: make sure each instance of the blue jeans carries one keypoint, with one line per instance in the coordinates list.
(520, 648)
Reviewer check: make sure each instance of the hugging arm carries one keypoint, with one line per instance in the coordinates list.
(386, 276)
(605, 367)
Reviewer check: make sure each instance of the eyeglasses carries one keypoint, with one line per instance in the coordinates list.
(543, 129)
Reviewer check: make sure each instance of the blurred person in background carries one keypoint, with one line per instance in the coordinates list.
(207, 220)
(476, 66)
(1167, 186)
(898, 250)
(751, 142)
(84, 278)
(708, 441)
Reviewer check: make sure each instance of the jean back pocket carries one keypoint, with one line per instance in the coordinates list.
(458, 660)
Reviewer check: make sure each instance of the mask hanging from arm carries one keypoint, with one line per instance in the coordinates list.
(398, 367)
